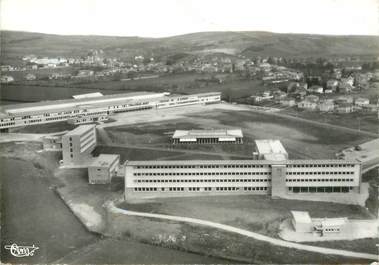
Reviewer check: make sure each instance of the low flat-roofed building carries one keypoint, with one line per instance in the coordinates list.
(301, 221)
(271, 150)
(62, 110)
(212, 136)
(103, 168)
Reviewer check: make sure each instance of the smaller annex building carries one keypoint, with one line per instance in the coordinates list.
(210, 136)
(272, 150)
(303, 223)
(103, 168)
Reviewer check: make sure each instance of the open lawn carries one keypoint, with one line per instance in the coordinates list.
(302, 140)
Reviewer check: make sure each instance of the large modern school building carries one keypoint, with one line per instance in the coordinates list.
(149, 179)
(95, 107)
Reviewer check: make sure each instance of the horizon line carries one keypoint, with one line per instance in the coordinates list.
(196, 32)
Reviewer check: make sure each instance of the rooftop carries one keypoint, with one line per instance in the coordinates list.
(301, 217)
(81, 129)
(270, 147)
(104, 160)
(88, 95)
(208, 133)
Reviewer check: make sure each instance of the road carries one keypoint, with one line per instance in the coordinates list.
(228, 228)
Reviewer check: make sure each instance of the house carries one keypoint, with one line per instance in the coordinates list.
(326, 106)
(307, 105)
(344, 108)
(266, 95)
(316, 89)
(348, 80)
(6, 79)
(361, 102)
(332, 84)
(344, 99)
(85, 73)
(30, 77)
(312, 98)
(287, 102)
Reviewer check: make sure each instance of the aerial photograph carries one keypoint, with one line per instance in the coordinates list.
(189, 132)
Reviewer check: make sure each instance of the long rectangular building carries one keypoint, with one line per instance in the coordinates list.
(146, 179)
(212, 136)
(63, 110)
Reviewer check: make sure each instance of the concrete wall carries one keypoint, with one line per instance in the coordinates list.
(278, 181)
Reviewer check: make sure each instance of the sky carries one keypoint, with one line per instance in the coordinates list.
(161, 18)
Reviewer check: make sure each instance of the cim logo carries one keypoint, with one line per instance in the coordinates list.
(21, 251)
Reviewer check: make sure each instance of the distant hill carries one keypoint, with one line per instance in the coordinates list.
(17, 44)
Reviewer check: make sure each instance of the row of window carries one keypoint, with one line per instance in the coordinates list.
(201, 166)
(201, 173)
(319, 189)
(202, 189)
(318, 180)
(243, 166)
(7, 124)
(321, 165)
(198, 180)
(322, 173)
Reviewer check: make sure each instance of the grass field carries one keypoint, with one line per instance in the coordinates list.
(302, 140)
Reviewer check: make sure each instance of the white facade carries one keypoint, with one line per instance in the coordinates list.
(78, 144)
(271, 150)
(144, 179)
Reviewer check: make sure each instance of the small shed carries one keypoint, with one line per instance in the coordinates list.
(301, 221)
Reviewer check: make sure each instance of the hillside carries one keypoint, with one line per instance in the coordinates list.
(16, 44)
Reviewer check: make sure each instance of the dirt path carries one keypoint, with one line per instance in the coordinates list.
(228, 228)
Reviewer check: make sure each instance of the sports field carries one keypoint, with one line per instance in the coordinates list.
(302, 140)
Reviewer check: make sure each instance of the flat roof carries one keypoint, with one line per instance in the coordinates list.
(270, 147)
(208, 133)
(104, 160)
(235, 162)
(81, 129)
(88, 95)
(301, 217)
